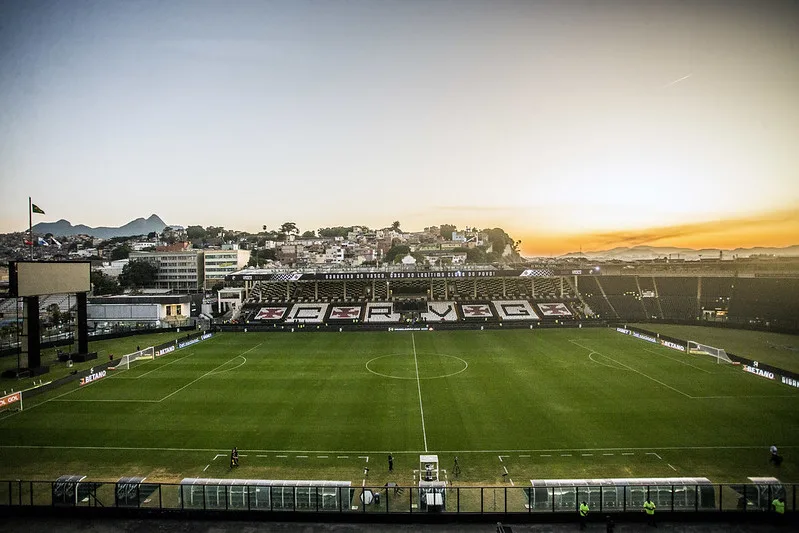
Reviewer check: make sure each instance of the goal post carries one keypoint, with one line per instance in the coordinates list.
(703, 349)
(124, 363)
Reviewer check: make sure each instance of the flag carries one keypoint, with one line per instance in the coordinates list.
(36, 209)
(43, 242)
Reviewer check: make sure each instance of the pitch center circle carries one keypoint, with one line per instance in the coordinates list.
(430, 365)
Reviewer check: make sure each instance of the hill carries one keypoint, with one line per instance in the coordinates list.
(140, 226)
(655, 252)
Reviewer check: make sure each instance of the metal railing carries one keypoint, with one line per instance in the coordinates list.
(239, 495)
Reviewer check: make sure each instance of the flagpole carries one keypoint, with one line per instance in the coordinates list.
(30, 224)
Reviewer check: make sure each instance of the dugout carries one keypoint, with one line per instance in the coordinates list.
(679, 494)
(133, 491)
(70, 490)
(265, 494)
(759, 493)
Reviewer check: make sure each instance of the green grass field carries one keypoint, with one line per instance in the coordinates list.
(542, 404)
(776, 349)
(58, 369)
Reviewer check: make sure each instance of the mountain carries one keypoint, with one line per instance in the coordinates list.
(140, 226)
(659, 252)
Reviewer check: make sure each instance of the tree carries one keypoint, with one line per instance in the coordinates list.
(475, 256)
(195, 232)
(138, 274)
(309, 235)
(396, 253)
(258, 257)
(445, 230)
(103, 284)
(396, 226)
(288, 228)
(120, 252)
(336, 231)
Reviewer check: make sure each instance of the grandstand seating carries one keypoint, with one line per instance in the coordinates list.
(592, 294)
(633, 297)
(622, 293)
(716, 293)
(763, 299)
(648, 296)
(678, 297)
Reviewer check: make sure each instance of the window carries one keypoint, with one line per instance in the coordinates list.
(178, 310)
(168, 310)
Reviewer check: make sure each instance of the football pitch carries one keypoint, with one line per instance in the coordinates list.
(511, 405)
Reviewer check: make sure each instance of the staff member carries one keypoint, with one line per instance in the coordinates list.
(583, 514)
(649, 509)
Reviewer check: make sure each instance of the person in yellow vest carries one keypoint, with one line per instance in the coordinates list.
(583, 514)
(649, 509)
(778, 504)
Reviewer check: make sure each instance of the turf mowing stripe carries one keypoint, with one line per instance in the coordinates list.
(633, 369)
(675, 359)
(207, 373)
(419, 387)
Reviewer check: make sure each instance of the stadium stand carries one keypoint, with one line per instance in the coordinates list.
(715, 293)
(623, 294)
(646, 285)
(678, 297)
(765, 300)
(595, 298)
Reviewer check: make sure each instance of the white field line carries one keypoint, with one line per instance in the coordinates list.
(500, 458)
(511, 482)
(633, 369)
(378, 452)
(233, 368)
(262, 456)
(671, 467)
(58, 398)
(419, 388)
(656, 455)
(206, 467)
(208, 373)
(217, 456)
(679, 361)
(159, 367)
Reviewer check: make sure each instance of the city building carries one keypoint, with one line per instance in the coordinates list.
(218, 263)
(178, 271)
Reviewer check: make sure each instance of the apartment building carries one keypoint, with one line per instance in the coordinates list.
(180, 271)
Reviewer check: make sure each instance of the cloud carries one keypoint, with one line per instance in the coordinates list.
(772, 228)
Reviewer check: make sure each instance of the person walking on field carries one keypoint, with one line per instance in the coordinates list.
(390, 463)
(649, 509)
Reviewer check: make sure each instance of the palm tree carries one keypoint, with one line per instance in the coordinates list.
(396, 226)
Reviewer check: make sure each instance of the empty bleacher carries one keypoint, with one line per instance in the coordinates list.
(648, 296)
(622, 293)
(678, 297)
(716, 293)
(592, 295)
(763, 299)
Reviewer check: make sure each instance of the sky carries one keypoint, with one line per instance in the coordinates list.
(572, 124)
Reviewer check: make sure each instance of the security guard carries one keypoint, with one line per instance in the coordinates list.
(583, 514)
(649, 509)
(778, 504)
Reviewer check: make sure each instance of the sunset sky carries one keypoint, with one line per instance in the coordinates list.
(568, 123)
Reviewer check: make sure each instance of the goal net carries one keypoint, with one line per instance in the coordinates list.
(124, 363)
(704, 349)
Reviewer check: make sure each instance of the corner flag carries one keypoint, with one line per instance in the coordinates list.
(36, 209)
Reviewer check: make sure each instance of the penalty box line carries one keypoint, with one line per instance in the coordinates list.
(634, 370)
(105, 400)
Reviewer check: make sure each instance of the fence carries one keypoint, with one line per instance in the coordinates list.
(240, 495)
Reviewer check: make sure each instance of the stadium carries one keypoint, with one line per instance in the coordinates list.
(495, 392)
